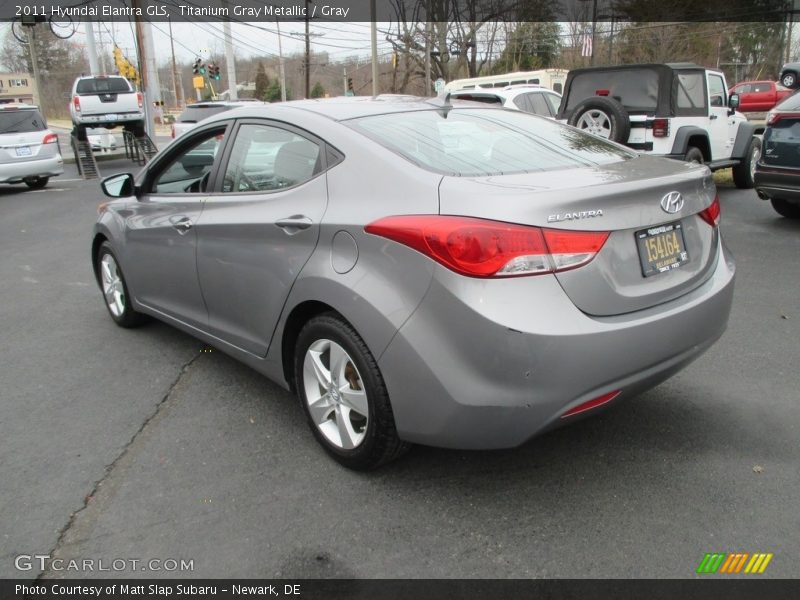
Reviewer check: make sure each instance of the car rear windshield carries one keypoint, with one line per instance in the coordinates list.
(479, 142)
(102, 85)
(20, 121)
(193, 114)
(635, 89)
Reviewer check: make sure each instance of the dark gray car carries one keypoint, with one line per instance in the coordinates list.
(464, 277)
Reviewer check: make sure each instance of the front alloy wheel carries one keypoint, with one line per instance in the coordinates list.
(115, 291)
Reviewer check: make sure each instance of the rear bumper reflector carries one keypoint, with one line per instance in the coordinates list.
(599, 401)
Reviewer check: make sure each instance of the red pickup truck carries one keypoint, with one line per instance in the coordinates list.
(758, 96)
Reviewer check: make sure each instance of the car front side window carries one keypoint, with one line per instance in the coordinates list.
(189, 170)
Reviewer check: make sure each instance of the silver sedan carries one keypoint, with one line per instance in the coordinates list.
(464, 277)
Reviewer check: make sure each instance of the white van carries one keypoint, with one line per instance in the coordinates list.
(552, 79)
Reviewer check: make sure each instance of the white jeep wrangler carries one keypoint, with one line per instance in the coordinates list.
(676, 110)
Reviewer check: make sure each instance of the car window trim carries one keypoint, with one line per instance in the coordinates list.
(156, 168)
(239, 123)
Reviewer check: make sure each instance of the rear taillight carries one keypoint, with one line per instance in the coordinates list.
(774, 116)
(50, 138)
(140, 99)
(711, 214)
(661, 128)
(482, 248)
(76, 103)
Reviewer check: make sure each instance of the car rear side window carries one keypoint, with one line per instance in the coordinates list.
(103, 85)
(475, 142)
(20, 121)
(266, 158)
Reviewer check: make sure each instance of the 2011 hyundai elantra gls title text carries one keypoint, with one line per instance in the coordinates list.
(456, 276)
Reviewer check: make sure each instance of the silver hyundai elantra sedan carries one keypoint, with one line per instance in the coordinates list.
(417, 272)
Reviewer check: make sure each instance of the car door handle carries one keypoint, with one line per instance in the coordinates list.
(294, 224)
(182, 224)
(712, 117)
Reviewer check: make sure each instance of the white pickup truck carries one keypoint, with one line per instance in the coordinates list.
(100, 101)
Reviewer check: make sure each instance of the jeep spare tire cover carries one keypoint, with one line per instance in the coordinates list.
(604, 117)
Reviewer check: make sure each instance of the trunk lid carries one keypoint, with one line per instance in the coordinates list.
(623, 198)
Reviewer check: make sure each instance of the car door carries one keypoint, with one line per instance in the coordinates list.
(256, 234)
(745, 96)
(721, 124)
(161, 238)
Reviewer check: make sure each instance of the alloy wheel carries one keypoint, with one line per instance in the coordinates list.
(113, 290)
(335, 393)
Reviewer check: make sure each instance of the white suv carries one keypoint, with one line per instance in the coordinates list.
(676, 110)
(29, 151)
(527, 98)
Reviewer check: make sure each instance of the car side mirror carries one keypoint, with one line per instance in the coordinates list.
(118, 186)
(733, 101)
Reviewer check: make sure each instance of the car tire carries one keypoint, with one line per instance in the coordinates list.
(79, 131)
(115, 290)
(694, 154)
(789, 79)
(335, 410)
(136, 128)
(37, 183)
(787, 209)
(604, 117)
(745, 171)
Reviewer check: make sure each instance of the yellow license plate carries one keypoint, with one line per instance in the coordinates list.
(661, 248)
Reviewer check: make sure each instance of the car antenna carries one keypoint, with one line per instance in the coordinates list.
(443, 103)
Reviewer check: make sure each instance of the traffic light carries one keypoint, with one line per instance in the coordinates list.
(213, 71)
(349, 84)
(197, 66)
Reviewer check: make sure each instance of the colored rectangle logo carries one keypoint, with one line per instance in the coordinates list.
(731, 563)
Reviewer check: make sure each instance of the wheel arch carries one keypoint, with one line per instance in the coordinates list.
(692, 136)
(98, 240)
(744, 134)
(295, 321)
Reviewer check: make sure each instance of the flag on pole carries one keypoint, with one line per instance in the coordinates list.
(586, 50)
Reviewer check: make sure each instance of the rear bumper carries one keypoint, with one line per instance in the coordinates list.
(103, 119)
(489, 364)
(45, 167)
(777, 183)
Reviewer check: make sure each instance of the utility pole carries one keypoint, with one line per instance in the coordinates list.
(280, 63)
(344, 81)
(34, 66)
(428, 50)
(594, 30)
(91, 48)
(230, 61)
(308, 54)
(144, 74)
(374, 44)
(178, 91)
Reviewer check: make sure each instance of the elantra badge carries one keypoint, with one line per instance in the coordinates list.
(672, 202)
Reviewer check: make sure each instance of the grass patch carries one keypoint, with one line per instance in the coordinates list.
(723, 177)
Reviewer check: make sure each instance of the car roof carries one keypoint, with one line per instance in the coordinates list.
(18, 106)
(343, 107)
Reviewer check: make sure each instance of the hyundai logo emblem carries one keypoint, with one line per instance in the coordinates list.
(672, 202)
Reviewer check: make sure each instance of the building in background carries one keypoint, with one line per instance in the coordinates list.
(16, 87)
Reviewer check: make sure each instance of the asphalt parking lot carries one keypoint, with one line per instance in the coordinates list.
(146, 444)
